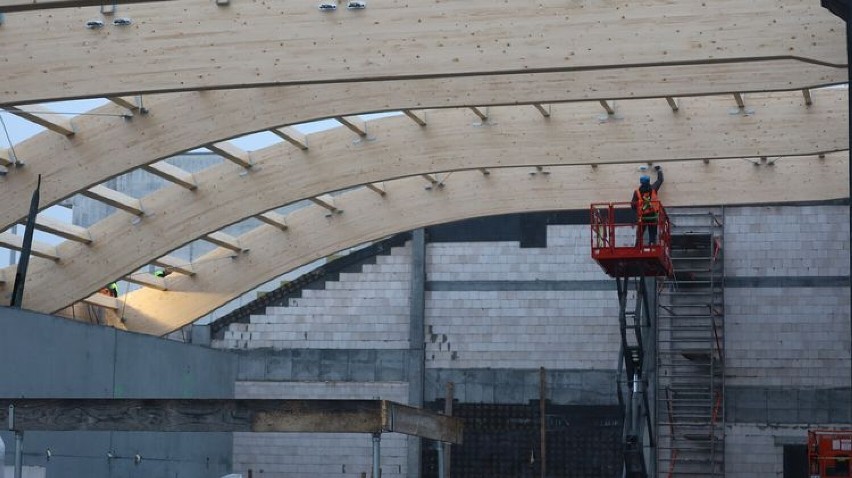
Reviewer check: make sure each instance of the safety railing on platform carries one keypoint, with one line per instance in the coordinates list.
(619, 236)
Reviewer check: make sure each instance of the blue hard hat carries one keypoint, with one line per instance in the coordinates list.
(644, 179)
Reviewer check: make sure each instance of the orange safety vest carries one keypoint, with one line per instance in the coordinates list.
(649, 204)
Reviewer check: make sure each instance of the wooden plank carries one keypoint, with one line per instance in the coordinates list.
(541, 109)
(222, 239)
(9, 6)
(672, 103)
(273, 219)
(728, 30)
(62, 229)
(102, 300)
(376, 188)
(174, 264)
(413, 421)
(115, 199)
(483, 116)
(354, 123)
(431, 178)
(173, 174)
(326, 201)
(229, 415)
(39, 249)
(104, 149)
(232, 153)
(147, 280)
(292, 136)
(127, 102)
(415, 117)
(40, 116)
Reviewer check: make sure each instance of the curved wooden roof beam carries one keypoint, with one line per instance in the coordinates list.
(408, 206)
(574, 135)
(105, 147)
(194, 42)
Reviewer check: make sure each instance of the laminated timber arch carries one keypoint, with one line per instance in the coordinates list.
(105, 146)
(198, 45)
(576, 134)
(408, 205)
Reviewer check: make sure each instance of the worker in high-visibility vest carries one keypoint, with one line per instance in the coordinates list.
(647, 206)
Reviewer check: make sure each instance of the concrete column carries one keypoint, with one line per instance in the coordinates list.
(416, 340)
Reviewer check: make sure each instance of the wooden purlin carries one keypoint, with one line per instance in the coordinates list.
(408, 206)
(477, 148)
(728, 31)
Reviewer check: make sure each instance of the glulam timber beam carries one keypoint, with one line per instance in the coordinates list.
(115, 199)
(566, 139)
(174, 264)
(42, 117)
(231, 415)
(199, 55)
(273, 219)
(106, 146)
(62, 229)
(232, 153)
(39, 249)
(407, 206)
(173, 174)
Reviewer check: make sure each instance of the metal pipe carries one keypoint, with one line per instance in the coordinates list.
(19, 453)
(377, 455)
(440, 447)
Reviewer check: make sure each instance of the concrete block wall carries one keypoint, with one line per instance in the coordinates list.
(497, 305)
(787, 331)
(364, 310)
(319, 455)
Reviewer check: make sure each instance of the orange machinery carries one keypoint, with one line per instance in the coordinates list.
(830, 453)
(618, 244)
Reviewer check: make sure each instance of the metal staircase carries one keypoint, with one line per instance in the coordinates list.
(690, 351)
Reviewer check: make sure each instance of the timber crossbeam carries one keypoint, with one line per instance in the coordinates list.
(229, 415)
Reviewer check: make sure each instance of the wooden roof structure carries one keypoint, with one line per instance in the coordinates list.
(738, 99)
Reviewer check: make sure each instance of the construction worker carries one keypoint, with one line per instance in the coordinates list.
(112, 289)
(647, 206)
(161, 273)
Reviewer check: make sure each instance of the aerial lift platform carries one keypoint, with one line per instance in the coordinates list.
(619, 246)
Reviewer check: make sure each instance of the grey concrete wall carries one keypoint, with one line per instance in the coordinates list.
(787, 331)
(46, 357)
